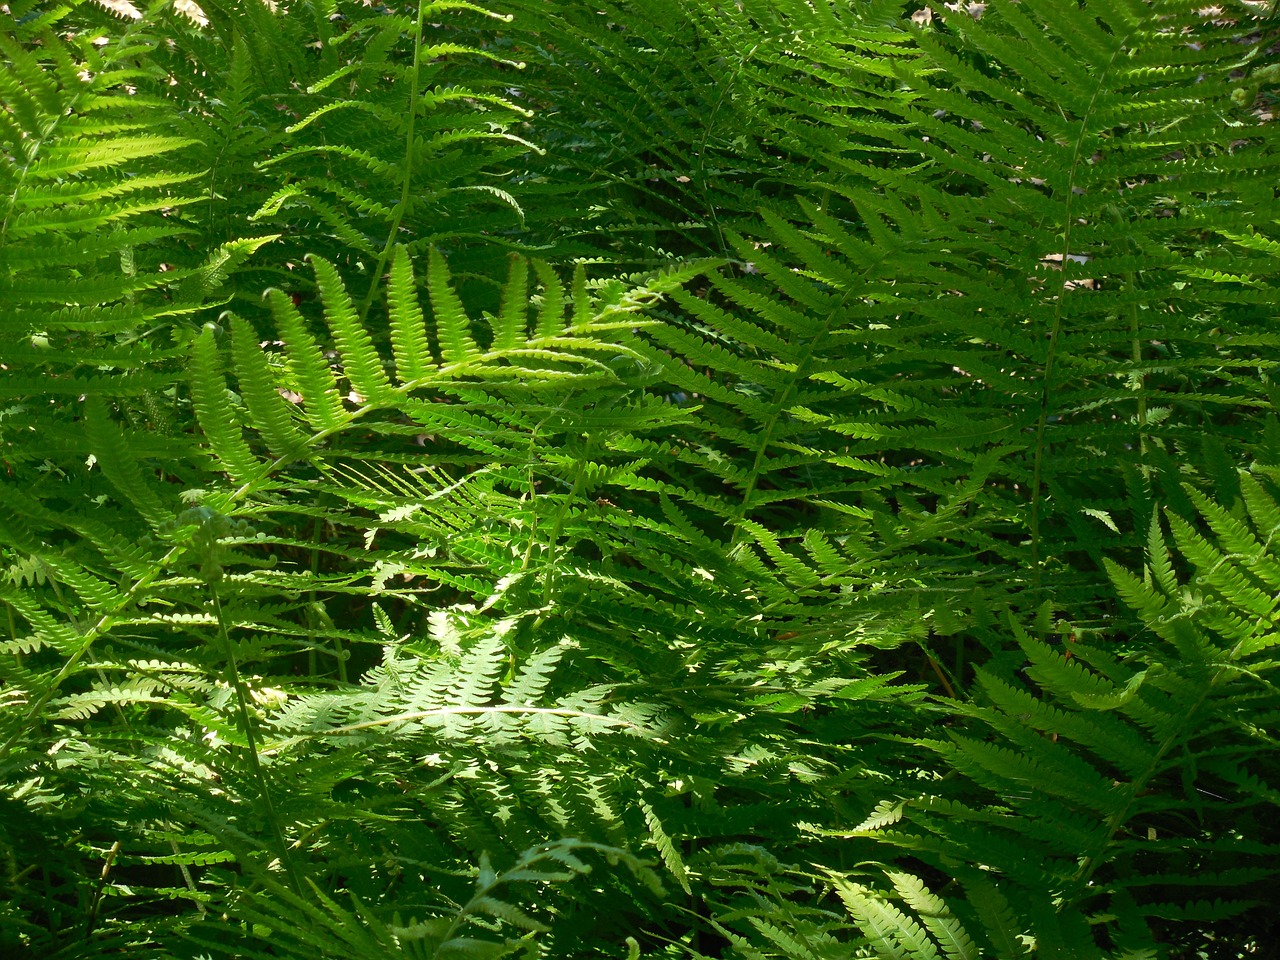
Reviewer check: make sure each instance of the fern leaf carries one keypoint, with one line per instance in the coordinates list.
(509, 328)
(121, 466)
(216, 413)
(361, 363)
(268, 410)
(999, 921)
(666, 848)
(312, 376)
(551, 310)
(892, 933)
(408, 329)
(935, 915)
(452, 324)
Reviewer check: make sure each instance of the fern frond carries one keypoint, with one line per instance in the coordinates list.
(213, 405)
(360, 361)
(1131, 730)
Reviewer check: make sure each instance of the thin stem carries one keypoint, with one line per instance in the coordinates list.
(1059, 315)
(397, 215)
(1139, 379)
(557, 528)
(92, 920)
(251, 741)
(187, 878)
(313, 666)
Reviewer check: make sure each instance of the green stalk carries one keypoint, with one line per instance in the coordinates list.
(556, 529)
(251, 740)
(406, 174)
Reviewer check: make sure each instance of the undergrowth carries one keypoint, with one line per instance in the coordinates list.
(653, 479)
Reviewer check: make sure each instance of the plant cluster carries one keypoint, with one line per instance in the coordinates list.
(663, 478)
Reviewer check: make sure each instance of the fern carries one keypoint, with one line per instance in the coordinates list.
(892, 326)
(541, 432)
(475, 927)
(327, 610)
(1102, 783)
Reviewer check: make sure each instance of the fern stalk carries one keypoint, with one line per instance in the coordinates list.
(248, 728)
(1055, 332)
(410, 143)
(407, 174)
(96, 903)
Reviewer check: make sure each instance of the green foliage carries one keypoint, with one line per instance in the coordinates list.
(667, 478)
(1120, 793)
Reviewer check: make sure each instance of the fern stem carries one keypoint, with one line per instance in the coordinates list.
(556, 529)
(407, 173)
(942, 677)
(91, 920)
(706, 139)
(188, 879)
(1140, 383)
(1090, 864)
(251, 742)
(13, 632)
(1055, 330)
(1139, 379)
(803, 365)
(313, 665)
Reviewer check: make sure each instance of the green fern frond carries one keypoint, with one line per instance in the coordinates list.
(216, 411)
(450, 318)
(1129, 730)
(257, 383)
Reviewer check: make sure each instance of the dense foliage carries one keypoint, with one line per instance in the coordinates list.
(647, 478)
